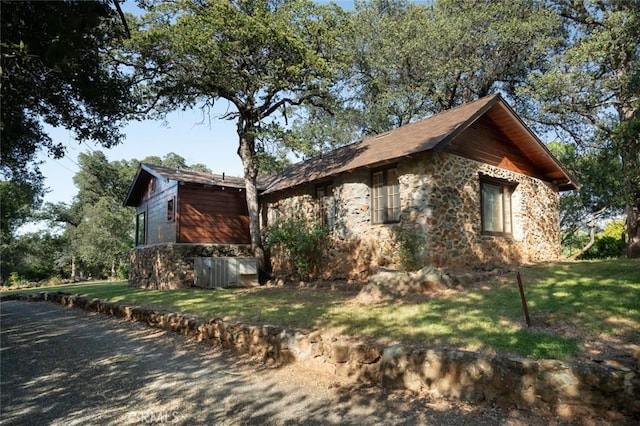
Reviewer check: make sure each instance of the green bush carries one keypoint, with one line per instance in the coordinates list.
(14, 279)
(303, 243)
(52, 281)
(608, 243)
(409, 248)
(122, 272)
(605, 248)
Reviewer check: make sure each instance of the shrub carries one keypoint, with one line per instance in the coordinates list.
(303, 243)
(609, 243)
(52, 281)
(605, 247)
(15, 280)
(409, 248)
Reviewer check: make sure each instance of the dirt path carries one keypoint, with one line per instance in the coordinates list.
(65, 366)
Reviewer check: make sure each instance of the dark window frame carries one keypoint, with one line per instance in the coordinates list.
(141, 230)
(171, 209)
(506, 189)
(390, 214)
(326, 215)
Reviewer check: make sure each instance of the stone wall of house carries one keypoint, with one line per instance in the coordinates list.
(440, 195)
(170, 266)
(440, 199)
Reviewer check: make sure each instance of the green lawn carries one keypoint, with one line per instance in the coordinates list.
(568, 303)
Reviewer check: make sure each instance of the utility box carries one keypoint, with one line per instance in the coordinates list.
(224, 272)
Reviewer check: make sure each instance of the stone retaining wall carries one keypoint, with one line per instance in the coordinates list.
(171, 266)
(567, 389)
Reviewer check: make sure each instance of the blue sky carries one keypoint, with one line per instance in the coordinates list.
(213, 144)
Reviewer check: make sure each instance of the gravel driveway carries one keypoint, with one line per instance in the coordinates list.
(65, 366)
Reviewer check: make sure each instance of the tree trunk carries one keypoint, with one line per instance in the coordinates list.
(630, 144)
(73, 268)
(633, 229)
(592, 234)
(246, 151)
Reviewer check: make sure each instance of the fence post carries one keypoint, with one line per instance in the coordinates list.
(524, 300)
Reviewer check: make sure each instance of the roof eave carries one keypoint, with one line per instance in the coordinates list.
(571, 183)
(127, 200)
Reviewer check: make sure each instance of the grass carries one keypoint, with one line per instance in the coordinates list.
(596, 298)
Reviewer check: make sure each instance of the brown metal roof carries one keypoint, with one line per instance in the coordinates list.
(431, 133)
(148, 171)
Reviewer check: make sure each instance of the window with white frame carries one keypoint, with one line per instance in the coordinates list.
(385, 196)
(496, 215)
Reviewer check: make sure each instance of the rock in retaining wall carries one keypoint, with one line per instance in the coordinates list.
(566, 388)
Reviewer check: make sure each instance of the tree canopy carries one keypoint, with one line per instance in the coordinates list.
(409, 60)
(53, 72)
(591, 92)
(262, 57)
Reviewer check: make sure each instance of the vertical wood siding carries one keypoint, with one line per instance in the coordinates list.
(159, 229)
(212, 215)
(485, 143)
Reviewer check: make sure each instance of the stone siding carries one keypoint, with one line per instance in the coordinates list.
(171, 266)
(565, 389)
(440, 200)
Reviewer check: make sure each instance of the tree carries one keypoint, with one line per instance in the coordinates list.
(411, 60)
(260, 56)
(600, 197)
(590, 94)
(18, 201)
(52, 71)
(31, 256)
(105, 235)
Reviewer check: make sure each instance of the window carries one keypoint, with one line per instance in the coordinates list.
(495, 196)
(325, 205)
(385, 196)
(140, 229)
(171, 212)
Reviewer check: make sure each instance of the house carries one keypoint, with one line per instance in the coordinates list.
(474, 184)
(182, 215)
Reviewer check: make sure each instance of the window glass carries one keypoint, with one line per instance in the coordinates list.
(393, 196)
(170, 210)
(385, 196)
(325, 205)
(377, 197)
(496, 207)
(140, 229)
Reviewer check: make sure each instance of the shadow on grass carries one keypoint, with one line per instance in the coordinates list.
(63, 366)
(598, 298)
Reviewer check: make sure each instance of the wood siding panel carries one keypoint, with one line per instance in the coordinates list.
(485, 143)
(159, 229)
(212, 215)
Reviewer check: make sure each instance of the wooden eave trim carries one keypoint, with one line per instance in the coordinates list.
(134, 185)
(571, 181)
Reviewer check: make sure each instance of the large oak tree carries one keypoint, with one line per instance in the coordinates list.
(592, 90)
(259, 56)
